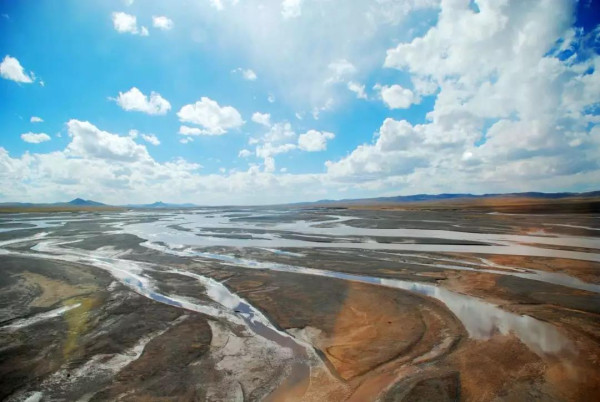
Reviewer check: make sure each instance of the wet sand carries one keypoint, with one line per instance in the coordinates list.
(300, 304)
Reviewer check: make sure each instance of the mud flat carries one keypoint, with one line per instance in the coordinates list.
(300, 304)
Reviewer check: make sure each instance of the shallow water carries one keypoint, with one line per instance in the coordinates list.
(133, 274)
(270, 231)
(482, 320)
(202, 236)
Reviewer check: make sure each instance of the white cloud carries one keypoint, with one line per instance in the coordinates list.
(358, 31)
(114, 169)
(291, 8)
(35, 138)
(220, 4)
(88, 141)
(161, 22)
(123, 22)
(11, 69)
(187, 130)
(318, 109)
(262, 118)
(314, 141)
(269, 164)
(268, 150)
(341, 70)
(397, 97)
(396, 152)
(127, 23)
(244, 153)
(214, 119)
(509, 113)
(186, 140)
(35, 119)
(279, 132)
(151, 139)
(358, 89)
(247, 74)
(135, 100)
(279, 139)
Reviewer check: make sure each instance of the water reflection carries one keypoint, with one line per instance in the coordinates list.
(202, 234)
(482, 320)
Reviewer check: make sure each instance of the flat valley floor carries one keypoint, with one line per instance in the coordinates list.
(298, 304)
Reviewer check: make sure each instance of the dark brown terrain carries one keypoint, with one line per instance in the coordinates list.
(436, 302)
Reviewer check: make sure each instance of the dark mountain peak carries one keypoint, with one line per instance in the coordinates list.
(82, 202)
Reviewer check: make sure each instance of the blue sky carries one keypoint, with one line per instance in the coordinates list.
(364, 98)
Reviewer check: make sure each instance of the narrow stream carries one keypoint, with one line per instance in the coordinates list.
(482, 320)
(230, 307)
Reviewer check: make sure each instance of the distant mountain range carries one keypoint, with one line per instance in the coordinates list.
(160, 204)
(450, 196)
(77, 202)
(86, 203)
(80, 202)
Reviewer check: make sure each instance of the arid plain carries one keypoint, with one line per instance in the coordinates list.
(328, 303)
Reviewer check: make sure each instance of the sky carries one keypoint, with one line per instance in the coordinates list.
(223, 102)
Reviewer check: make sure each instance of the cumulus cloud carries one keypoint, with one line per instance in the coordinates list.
(397, 97)
(244, 153)
(135, 100)
(35, 119)
(515, 92)
(341, 70)
(314, 141)
(297, 71)
(87, 141)
(151, 139)
(396, 151)
(280, 138)
(214, 119)
(127, 23)
(247, 74)
(113, 169)
(11, 69)
(161, 22)
(262, 118)
(35, 138)
(358, 89)
(220, 4)
(511, 111)
(279, 132)
(291, 8)
(269, 150)
(187, 130)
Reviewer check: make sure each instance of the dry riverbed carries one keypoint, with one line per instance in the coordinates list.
(276, 304)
